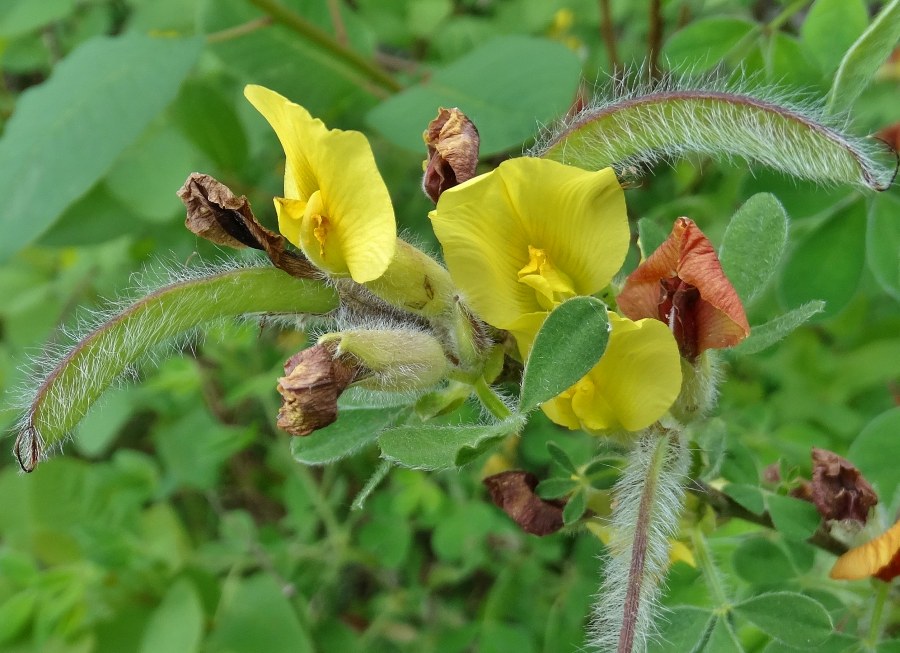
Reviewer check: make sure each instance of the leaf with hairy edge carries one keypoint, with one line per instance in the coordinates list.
(66, 133)
(78, 380)
(773, 331)
(355, 428)
(430, 447)
(864, 58)
(789, 617)
(753, 244)
(673, 122)
(569, 343)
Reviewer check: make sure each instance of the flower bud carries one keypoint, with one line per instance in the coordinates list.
(394, 360)
(452, 141)
(314, 380)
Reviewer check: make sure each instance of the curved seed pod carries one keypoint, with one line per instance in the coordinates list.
(79, 378)
(640, 128)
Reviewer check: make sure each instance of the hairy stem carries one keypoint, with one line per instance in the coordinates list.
(648, 501)
(66, 393)
(324, 40)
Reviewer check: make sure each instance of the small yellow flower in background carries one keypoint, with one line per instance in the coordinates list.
(522, 239)
(336, 207)
(879, 558)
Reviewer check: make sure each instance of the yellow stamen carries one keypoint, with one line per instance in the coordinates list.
(551, 286)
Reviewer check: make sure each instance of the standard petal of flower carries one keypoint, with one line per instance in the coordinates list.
(347, 225)
(879, 558)
(531, 217)
(684, 262)
(634, 384)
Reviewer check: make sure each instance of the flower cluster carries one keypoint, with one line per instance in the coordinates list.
(518, 241)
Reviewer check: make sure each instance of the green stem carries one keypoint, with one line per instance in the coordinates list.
(77, 381)
(882, 590)
(239, 30)
(708, 568)
(324, 40)
(491, 400)
(786, 14)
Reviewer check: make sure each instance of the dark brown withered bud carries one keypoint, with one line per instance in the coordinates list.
(313, 381)
(452, 141)
(218, 215)
(513, 493)
(838, 489)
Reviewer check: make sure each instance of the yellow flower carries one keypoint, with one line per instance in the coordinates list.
(634, 384)
(336, 207)
(879, 558)
(524, 238)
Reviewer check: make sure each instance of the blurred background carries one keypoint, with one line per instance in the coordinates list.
(177, 519)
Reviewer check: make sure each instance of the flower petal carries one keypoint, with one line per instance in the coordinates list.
(879, 558)
(486, 225)
(717, 319)
(634, 384)
(338, 165)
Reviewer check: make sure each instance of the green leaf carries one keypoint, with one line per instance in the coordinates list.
(876, 450)
(650, 236)
(209, 120)
(554, 488)
(561, 457)
(254, 615)
(20, 16)
(765, 335)
(864, 58)
(683, 628)
(633, 131)
(830, 28)
(427, 446)
(704, 43)
(793, 518)
(66, 133)
(506, 87)
(883, 239)
(828, 263)
(753, 244)
(749, 496)
(278, 58)
(15, 612)
(569, 343)
(354, 429)
(177, 624)
(760, 561)
(575, 507)
(723, 639)
(78, 380)
(603, 473)
(837, 643)
(791, 618)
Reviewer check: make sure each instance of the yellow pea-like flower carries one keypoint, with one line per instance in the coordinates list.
(336, 207)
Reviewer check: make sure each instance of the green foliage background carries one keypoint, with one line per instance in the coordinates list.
(178, 520)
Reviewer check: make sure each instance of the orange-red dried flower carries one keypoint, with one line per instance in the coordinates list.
(683, 285)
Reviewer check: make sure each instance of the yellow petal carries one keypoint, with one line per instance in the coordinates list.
(486, 226)
(348, 222)
(878, 557)
(634, 384)
(679, 552)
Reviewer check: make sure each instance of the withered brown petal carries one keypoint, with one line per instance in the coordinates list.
(513, 492)
(687, 261)
(839, 490)
(453, 143)
(215, 213)
(314, 380)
